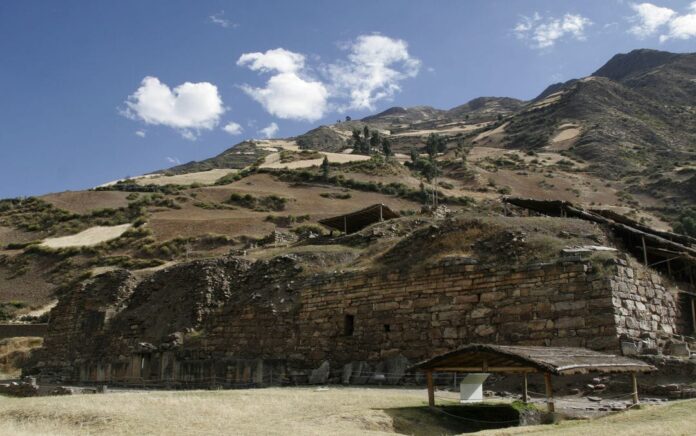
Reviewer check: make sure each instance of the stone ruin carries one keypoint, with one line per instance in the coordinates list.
(234, 322)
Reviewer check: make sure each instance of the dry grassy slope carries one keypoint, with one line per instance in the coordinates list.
(637, 121)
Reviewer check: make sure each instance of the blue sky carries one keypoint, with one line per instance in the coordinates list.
(95, 91)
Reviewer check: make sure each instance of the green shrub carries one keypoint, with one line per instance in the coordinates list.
(261, 204)
(336, 195)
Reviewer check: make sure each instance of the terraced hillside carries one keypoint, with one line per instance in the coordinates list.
(622, 139)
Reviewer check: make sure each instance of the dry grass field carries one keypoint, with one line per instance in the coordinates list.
(286, 411)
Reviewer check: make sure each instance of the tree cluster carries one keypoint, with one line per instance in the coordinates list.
(367, 142)
(435, 144)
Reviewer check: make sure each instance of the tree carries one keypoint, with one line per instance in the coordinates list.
(435, 144)
(686, 223)
(414, 155)
(348, 118)
(386, 147)
(374, 139)
(361, 144)
(429, 169)
(462, 150)
(357, 141)
(325, 168)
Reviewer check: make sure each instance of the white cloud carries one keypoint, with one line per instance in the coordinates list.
(372, 71)
(289, 93)
(543, 32)
(220, 20)
(279, 59)
(682, 27)
(289, 96)
(233, 128)
(140, 133)
(375, 66)
(187, 134)
(649, 18)
(189, 107)
(173, 160)
(269, 131)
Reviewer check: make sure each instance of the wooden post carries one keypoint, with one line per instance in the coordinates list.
(549, 393)
(635, 389)
(645, 251)
(431, 388)
(693, 314)
(381, 216)
(525, 394)
(345, 225)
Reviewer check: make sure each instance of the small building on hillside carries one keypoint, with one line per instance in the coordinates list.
(358, 220)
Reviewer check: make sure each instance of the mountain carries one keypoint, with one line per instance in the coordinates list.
(633, 118)
(636, 62)
(397, 115)
(486, 107)
(237, 157)
(622, 139)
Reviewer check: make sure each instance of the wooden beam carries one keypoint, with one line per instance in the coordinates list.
(693, 314)
(645, 251)
(485, 369)
(431, 388)
(549, 393)
(525, 394)
(635, 388)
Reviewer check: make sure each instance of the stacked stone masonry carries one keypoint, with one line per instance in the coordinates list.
(250, 327)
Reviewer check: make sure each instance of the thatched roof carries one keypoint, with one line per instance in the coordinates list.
(509, 358)
(354, 221)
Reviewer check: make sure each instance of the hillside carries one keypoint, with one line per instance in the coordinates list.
(622, 139)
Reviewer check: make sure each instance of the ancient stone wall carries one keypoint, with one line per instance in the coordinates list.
(417, 314)
(644, 308)
(261, 322)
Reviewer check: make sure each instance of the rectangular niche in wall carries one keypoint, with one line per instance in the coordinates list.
(349, 325)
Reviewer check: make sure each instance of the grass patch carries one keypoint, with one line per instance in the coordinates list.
(287, 156)
(290, 411)
(286, 221)
(262, 204)
(396, 189)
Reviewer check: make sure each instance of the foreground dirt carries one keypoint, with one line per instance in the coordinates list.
(283, 411)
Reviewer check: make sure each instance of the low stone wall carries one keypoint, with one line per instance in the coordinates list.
(22, 330)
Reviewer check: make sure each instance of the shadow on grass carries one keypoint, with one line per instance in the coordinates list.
(453, 419)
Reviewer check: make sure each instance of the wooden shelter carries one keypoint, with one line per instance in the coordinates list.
(671, 253)
(476, 358)
(358, 220)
